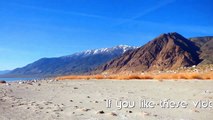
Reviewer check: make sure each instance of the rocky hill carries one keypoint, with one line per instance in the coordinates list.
(168, 51)
(206, 47)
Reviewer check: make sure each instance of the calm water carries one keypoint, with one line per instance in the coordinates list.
(16, 79)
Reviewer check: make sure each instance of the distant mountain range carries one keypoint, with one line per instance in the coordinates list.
(4, 71)
(168, 51)
(78, 63)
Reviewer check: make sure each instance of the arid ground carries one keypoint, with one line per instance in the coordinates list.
(101, 100)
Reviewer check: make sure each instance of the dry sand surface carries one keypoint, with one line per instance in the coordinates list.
(87, 100)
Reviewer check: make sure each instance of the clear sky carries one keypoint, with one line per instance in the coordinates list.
(32, 29)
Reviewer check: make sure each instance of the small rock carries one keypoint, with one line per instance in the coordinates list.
(30, 83)
(2, 81)
(100, 112)
(20, 104)
(75, 87)
(20, 82)
(50, 80)
(208, 91)
(71, 100)
(47, 102)
(113, 114)
(145, 113)
(76, 107)
(8, 84)
(196, 111)
(85, 109)
(37, 105)
(34, 81)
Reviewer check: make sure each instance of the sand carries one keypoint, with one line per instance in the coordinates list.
(89, 100)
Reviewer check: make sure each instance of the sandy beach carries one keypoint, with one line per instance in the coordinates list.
(102, 100)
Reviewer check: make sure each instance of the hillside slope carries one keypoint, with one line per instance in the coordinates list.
(168, 51)
(206, 47)
(78, 63)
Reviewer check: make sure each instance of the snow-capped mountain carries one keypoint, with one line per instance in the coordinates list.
(77, 63)
(120, 49)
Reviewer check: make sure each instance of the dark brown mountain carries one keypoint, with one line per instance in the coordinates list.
(206, 47)
(168, 51)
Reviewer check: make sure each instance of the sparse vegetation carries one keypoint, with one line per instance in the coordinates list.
(87, 77)
(160, 76)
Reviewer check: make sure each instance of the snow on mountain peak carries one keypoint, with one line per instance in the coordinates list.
(120, 49)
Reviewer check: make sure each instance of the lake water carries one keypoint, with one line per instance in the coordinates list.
(16, 79)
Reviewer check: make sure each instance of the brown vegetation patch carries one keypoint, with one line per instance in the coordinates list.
(159, 76)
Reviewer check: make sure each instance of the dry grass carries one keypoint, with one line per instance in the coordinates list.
(188, 76)
(167, 76)
(87, 77)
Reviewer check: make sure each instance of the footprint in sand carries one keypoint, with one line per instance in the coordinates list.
(85, 109)
(113, 114)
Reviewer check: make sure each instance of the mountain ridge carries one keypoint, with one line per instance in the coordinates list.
(168, 51)
(4, 71)
(77, 63)
(206, 45)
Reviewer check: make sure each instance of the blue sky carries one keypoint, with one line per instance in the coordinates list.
(32, 29)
